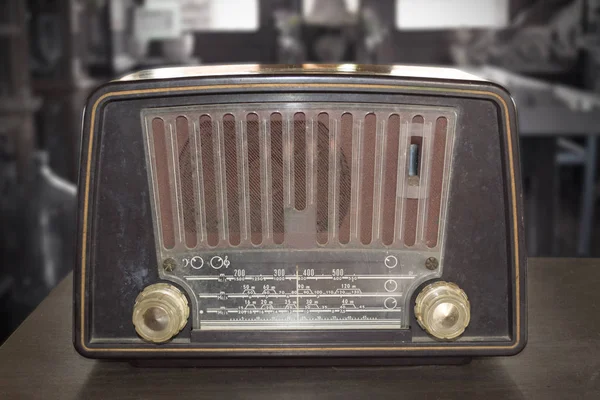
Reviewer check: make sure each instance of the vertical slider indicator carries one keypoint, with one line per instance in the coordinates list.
(413, 160)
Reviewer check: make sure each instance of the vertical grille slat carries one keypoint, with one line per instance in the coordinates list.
(174, 177)
(333, 191)
(437, 174)
(300, 160)
(378, 177)
(389, 201)
(357, 141)
(266, 182)
(345, 185)
(288, 159)
(160, 140)
(231, 139)
(200, 198)
(209, 165)
(220, 182)
(368, 178)
(252, 204)
(187, 186)
(243, 176)
(302, 176)
(322, 166)
(277, 177)
(311, 145)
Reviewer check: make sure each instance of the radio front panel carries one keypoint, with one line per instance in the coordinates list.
(299, 216)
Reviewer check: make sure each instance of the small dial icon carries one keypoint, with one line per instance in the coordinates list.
(390, 303)
(197, 262)
(391, 285)
(391, 261)
(216, 262)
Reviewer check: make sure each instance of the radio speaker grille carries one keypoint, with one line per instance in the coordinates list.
(306, 176)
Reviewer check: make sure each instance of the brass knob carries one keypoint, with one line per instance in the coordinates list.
(443, 310)
(160, 312)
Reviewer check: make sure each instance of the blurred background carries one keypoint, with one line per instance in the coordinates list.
(54, 52)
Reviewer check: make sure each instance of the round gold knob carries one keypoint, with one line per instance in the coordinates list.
(443, 310)
(160, 312)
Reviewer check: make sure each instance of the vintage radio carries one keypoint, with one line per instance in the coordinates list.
(285, 212)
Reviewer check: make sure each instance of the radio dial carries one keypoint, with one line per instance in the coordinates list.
(442, 309)
(160, 312)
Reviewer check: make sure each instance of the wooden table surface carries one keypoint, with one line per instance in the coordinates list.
(561, 360)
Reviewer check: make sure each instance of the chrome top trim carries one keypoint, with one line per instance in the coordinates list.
(407, 71)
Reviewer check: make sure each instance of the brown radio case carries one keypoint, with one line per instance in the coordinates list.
(134, 220)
